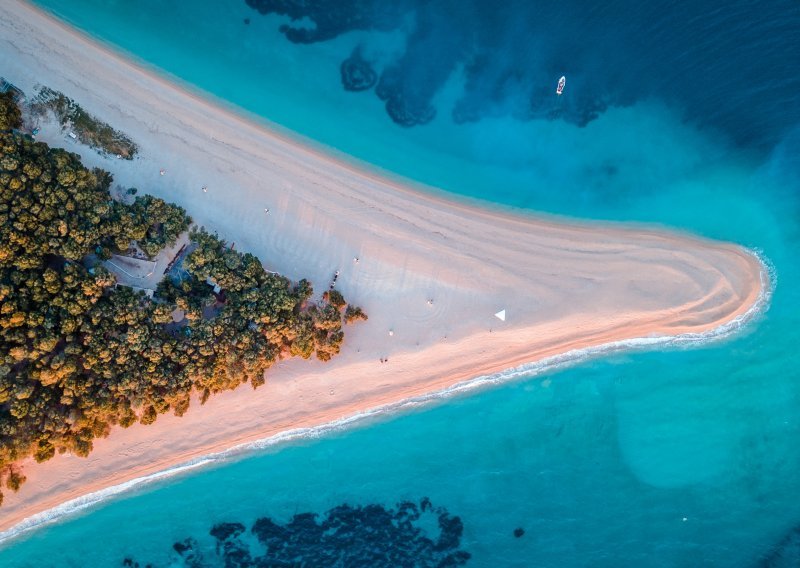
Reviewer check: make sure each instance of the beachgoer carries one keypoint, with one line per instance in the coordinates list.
(205, 189)
(162, 172)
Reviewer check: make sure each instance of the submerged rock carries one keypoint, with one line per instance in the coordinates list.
(357, 74)
(370, 535)
(405, 107)
(187, 549)
(331, 18)
(224, 531)
(500, 79)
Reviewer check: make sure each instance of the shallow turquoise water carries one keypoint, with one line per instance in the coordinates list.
(601, 463)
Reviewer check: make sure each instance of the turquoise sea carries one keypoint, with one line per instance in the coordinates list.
(683, 114)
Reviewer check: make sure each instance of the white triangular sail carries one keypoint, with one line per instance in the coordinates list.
(501, 315)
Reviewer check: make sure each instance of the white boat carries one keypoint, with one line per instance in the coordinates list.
(561, 83)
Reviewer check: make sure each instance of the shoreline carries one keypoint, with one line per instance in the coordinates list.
(569, 286)
(319, 149)
(326, 152)
(64, 511)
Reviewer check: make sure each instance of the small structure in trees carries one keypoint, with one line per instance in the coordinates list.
(211, 282)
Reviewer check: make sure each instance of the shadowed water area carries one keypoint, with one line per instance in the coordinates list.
(508, 56)
(684, 114)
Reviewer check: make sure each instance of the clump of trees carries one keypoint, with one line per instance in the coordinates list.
(78, 356)
(10, 115)
(354, 314)
(151, 222)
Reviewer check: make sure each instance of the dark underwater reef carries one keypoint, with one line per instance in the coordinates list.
(369, 536)
(731, 65)
(786, 554)
(409, 84)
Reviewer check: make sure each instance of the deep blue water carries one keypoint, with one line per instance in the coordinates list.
(685, 114)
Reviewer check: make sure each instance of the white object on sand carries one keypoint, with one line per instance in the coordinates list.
(501, 315)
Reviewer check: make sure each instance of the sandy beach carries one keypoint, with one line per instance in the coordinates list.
(431, 272)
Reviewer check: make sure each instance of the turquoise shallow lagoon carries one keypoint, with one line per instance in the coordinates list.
(680, 457)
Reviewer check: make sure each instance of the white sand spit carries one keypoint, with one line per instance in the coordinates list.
(434, 272)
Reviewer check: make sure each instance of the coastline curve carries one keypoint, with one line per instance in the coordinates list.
(572, 289)
(527, 371)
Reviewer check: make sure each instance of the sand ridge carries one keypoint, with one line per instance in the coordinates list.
(431, 271)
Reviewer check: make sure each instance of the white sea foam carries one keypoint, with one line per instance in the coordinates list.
(769, 280)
